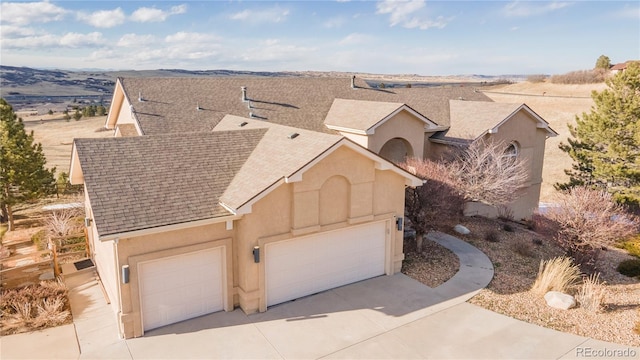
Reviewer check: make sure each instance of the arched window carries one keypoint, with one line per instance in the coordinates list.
(512, 150)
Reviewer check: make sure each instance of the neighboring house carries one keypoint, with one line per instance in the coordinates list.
(620, 67)
(225, 192)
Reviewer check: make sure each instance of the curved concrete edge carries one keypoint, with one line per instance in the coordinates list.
(475, 273)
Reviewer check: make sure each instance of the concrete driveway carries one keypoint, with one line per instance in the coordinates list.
(388, 317)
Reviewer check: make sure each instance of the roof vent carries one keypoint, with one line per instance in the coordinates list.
(244, 93)
(249, 104)
(244, 123)
(198, 107)
(353, 82)
(460, 98)
(251, 115)
(293, 135)
(140, 98)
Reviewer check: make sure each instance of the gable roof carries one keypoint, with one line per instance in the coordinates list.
(137, 183)
(278, 155)
(282, 156)
(362, 116)
(170, 105)
(472, 119)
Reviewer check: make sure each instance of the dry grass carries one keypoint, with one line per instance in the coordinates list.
(34, 307)
(591, 293)
(559, 106)
(556, 274)
(57, 136)
(509, 292)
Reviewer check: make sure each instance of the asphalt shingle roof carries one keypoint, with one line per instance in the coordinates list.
(136, 183)
(359, 114)
(170, 105)
(278, 155)
(471, 119)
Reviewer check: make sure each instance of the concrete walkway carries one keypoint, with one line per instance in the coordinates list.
(388, 317)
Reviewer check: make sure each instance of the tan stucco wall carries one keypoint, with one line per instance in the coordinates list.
(403, 125)
(135, 250)
(304, 208)
(522, 130)
(341, 190)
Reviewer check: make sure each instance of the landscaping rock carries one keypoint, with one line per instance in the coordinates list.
(559, 300)
(461, 230)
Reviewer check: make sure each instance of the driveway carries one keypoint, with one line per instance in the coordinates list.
(388, 317)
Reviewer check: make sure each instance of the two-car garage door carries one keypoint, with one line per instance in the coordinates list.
(307, 265)
(181, 287)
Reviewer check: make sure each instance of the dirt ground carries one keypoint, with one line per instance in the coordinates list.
(57, 134)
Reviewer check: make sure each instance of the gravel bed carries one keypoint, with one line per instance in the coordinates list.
(516, 257)
(422, 266)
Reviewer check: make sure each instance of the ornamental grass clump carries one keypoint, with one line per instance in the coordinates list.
(557, 274)
(591, 293)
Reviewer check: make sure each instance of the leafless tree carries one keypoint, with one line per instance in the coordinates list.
(437, 199)
(587, 220)
(63, 222)
(488, 172)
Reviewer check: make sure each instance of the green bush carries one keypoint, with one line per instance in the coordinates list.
(40, 239)
(630, 268)
(631, 246)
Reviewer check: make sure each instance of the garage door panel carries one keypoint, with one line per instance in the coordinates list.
(181, 287)
(304, 266)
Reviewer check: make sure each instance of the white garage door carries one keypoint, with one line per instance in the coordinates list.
(181, 287)
(305, 266)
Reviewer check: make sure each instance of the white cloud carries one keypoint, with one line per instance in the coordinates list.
(10, 31)
(354, 39)
(135, 40)
(274, 50)
(103, 18)
(526, 9)
(335, 22)
(189, 37)
(410, 14)
(152, 14)
(74, 40)
(26, 13)
(273, 15)
(45, 40)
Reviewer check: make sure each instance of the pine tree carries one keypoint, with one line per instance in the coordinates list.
(603, 62)
(606, 142)
(23, 175)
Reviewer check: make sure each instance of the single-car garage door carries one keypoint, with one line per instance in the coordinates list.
(181, 287)
(307, 265)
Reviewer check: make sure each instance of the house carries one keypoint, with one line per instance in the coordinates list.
(620, 67)
(218, 193)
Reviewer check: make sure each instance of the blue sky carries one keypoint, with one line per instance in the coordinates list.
(390, 37)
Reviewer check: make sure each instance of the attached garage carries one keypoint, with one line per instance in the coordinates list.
(307, 265)
(181, 287)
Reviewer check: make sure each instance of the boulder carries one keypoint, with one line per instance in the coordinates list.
(461, 230)
(559, 300)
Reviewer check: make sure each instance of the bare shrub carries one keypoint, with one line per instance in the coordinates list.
(492, 236)
(438, 198)
(536, 78)
(489, 175)
(523, 248)
(580, 77)
(591, 293)
(51, 312)
(505, 213)
(62, 222)
(557, 274)
(587, 220)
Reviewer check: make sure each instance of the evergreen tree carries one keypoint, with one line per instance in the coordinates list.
(23, 175)
(603, 62)
(606, 142)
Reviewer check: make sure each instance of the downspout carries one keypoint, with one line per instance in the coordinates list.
(118, 276)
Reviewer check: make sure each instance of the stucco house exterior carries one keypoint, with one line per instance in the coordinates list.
(216, 193)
